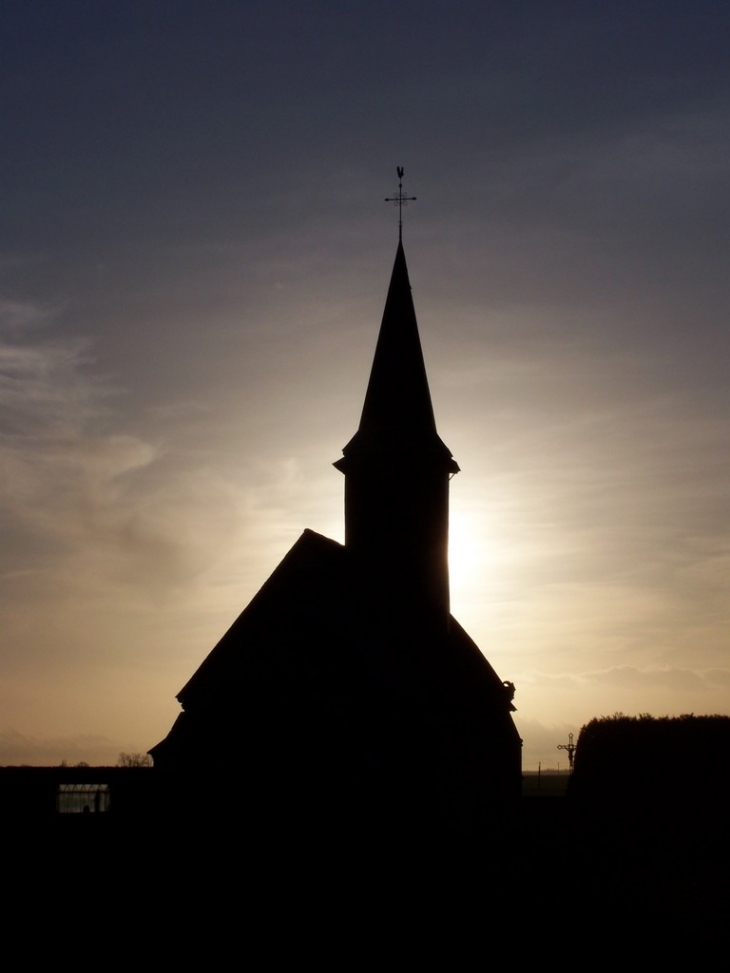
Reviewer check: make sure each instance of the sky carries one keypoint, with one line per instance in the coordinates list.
(194, 257)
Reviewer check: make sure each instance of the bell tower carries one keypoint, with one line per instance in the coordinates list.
(397, 472)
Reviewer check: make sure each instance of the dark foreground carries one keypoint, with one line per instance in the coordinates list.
(639, 880)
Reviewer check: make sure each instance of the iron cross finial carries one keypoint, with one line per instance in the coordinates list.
(400, 200)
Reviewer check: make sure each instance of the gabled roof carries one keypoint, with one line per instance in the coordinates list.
(313, 621)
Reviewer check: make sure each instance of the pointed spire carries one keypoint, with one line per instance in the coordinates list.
(397, 474)
(397, 416)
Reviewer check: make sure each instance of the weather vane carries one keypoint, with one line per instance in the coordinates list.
(400, 201)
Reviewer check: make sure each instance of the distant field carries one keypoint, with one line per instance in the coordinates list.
(545, 784)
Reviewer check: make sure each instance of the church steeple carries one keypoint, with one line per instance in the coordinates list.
(397, 469)
(397, 416)
(370, 695)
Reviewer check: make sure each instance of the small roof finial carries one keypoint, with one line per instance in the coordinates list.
(400, 200)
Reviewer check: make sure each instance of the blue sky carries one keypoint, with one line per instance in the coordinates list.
(194, 255)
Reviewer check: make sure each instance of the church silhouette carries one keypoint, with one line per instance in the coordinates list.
(346, 688)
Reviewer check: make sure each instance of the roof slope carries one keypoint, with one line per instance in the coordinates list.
(313, 624)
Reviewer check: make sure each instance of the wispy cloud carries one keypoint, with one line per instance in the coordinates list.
(18, 316)
(655, 677)
(17, 748)
(96, 504)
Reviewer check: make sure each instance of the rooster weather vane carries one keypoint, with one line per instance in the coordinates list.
(400, 200)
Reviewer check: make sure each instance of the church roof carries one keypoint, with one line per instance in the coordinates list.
(397, 415)
(311, 587)
(313, 620)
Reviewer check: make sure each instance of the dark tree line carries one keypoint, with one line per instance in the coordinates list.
(665, 760)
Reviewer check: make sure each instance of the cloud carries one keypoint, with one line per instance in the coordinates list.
(17, 748)
(653, 677)
(125, 553)
(40, 384)
(682, 680)
(18, 315)
(90, 508)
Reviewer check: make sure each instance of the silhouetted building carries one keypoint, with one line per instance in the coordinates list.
(346, 686)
